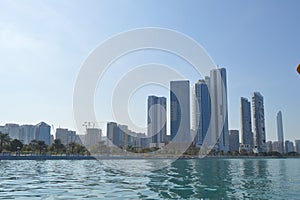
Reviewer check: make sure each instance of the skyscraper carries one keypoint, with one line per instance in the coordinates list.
(246, 125)
(111, 130)
(157, 119)
(280, 132)
(27, 133)
(92, 137)
(42, 132)
(259, 122)
(180, 111)
(219, 109)
(202, 110)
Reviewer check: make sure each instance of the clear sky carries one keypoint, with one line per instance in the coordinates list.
(44, 43)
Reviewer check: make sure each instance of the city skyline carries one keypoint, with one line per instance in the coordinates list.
(38, 86)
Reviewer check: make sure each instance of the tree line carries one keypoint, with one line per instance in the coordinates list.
(8, 145)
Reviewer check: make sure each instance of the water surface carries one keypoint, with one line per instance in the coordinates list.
(133, 179)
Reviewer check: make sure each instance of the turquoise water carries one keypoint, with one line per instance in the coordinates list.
(131, 179)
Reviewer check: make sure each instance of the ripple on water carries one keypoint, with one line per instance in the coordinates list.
(183, 179)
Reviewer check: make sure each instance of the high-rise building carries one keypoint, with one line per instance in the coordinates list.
(112, 128)
(275, 146)
(297, 146)
(234, 140)
(65, 136)
(259, 122)
(180, 111)
(246, 125)
(92, 137)
(157, 119)
(280, 132)
(13, 131)
(27, 133)
(219, 109)
(202, 110)
(42, 132)
(289, 146)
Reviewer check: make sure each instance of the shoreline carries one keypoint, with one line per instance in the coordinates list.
(124, 157)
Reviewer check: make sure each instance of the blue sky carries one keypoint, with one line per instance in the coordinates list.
(44, 43)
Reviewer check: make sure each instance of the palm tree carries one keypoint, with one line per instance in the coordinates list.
(41, 145)
(34, 145)
(4, 139)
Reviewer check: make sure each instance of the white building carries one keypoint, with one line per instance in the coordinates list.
(297, 146)
(27, 133)
(280, 132)
(66, 136)
(219, 109)
(92, 137)
(13, 131)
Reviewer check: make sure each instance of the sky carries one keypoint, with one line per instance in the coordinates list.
(44, 43)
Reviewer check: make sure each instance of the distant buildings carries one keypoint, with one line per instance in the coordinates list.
(13, 130)
(42, 132)
(120, 136)
(157, 119)
(234, 143)
(259, 122)
(92, 137)
(27, 133)
(269, 146)
(180, 111)
(280, 132)
(276, 146)
(289, 146)
(246, 125)
(297, 146)
(65, 136)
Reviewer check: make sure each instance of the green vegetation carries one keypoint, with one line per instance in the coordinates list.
(7, 145)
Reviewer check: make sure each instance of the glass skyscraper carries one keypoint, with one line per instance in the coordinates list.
(157, 119)
(246, 125)
(180, 111)
(202, 110)
(259, 122)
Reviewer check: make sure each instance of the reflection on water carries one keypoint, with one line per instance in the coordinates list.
(133, 179)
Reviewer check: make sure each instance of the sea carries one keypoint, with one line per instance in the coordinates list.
(214, 178)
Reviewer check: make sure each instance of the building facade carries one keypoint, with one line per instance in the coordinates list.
(246, 125)
(157, 120)
(202, 110)
(297, 146)
(259, 122)
(234, 140)
(65, 136)
(42, 132)
(280, 132)
(92, 137)
(219, 109)
(180, 111)
(289, 146)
